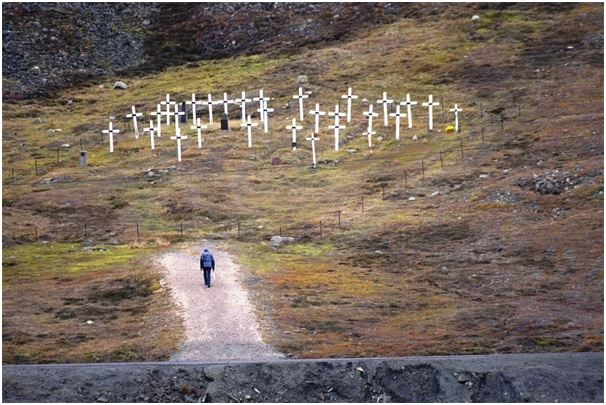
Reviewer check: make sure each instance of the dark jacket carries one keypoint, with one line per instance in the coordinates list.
(207, 260)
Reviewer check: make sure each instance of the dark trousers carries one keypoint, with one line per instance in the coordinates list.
(206, 271)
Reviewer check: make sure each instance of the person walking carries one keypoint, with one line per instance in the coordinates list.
(207, 263)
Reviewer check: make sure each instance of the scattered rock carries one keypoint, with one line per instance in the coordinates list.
(120, 85)
(302, 79)
(277, 241)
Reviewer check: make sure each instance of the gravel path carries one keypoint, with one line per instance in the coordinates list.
(219, 321)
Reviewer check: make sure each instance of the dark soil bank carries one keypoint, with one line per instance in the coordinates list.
(562, 377)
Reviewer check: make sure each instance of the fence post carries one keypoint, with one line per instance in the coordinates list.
(181, 230)
(36, 233)
(441, 161)
(482, 135)
(13, 175)
(321, 230)
(462, 157)
(238, 229)
(339, 214)
(58, 160)
(383, 192)
(423, 169)
(85, 234)
(405, 180)
(137, 230)
(362, 204)
(36, 166)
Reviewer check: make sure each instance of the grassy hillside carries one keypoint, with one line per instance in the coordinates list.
(489, 240)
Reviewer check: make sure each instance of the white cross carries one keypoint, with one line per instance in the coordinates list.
(261, 100)
(294, 128)
(243, 102)
(225, 101)
(199, 127)
(193, 104)
(370, 134)
(430, 104)
(370, 114)
(385, 101)
(168, 103)
(178, 137)
(317, 113)
(300, 96)
(134, 116)
(176, 114)
(158, 113)
(111, 131)
(456, 111)
(349, 96)
(313, 140)
(264, 110)
(151, 133)
(397, 115)
(408, 103)
(210, 108)
(249, 124)
(336, 127)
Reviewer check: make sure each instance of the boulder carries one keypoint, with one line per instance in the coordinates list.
(120, 85)
(277, 241)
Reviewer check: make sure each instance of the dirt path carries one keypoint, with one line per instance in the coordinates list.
(219, 321)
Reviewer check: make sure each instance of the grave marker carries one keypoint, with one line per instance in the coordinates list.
(408, 105)
(264, 112)
(313, 140)
(317, 113)
(370, 114)
(430, 105)
(151, 133)
(336, 127)
(134, 116)
(397, 114)
(111, 131)
(261, 101)
(176, 114)
(168, 103)
(210, 108)
(456, 114)
(193, 104)
(249, 124)
(294, 128)
(225, 102)
(158, 113)
(349, 97)
(178, 137)
(301, 96)
(385, 101)
(370, 134)
(243, 100)
(199, 127)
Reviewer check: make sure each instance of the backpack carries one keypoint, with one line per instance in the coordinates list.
(207, 259)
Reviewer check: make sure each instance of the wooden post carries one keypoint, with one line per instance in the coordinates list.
(181, 230)
(362, 204)
(36, 233)
(383, 185)
(482, 135)
(137, 230)
(502, 119)
(423, 169)
(405, 180)
(339, 220)
(13, 175)
(441, 161)
(58, 155)
(85, 234)
(238, 229)
(36, 166)
(321, 230)
(462, 157)
(481, 112)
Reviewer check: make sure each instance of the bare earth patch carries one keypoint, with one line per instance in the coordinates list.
(219, 321)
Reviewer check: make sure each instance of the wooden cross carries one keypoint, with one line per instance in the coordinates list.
(225, 102)
(193, 104)
(134, 116)
(349, 96)
(370, 114)
(210, 108)
(261, 100)
(317, 113)
(168, 103)
(397, 115)
(430, 103)
(385, 101)
(301, 96)
(456, 111)
(336, 127)
(111, 131)
(178, 137)
(294, 128)
(264, 110)
(313, 140)
(370, 134)
(249, 124)
(243, 102)
(408, 103)
(176, 114)
(151, 133)
(158, 113)
(199, 127)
